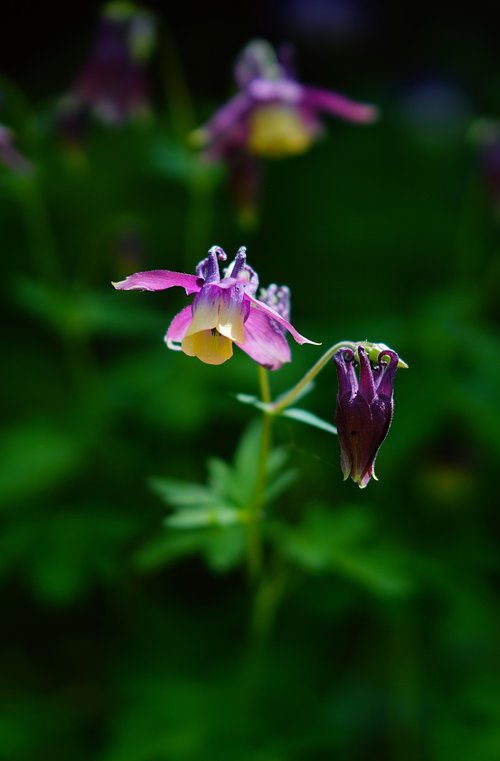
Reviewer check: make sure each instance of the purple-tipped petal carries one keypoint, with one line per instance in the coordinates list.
(208, 268)
(264, 341)
(381, 417)
(339, 105)
(366, 382)
(346, 373)
(178, 328)
(281, 320)
(353, 421)
(225, 120)
(385, 384)
(159, 280)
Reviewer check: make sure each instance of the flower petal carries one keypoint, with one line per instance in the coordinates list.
(205, 309)
(339, 105)
(226, 128)
(264, 341)
(159, 280)
(381, 417)
(232, 313)
(348, 381)
(261, 307)
(385, 384)
(209, 346)
(366, 381)
(352, 418)
(220, 306)
(178, 328)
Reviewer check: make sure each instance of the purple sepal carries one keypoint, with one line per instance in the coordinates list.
(264, 341)
(339, 105)
(178, 328)
(159, 280)
(281, 321)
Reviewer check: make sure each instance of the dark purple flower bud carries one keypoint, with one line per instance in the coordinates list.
(364, 409)
(112, 84)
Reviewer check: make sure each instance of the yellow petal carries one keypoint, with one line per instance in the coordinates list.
(209, 346)
(277, 131)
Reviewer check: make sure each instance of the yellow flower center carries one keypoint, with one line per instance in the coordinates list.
(277, 131)
(209, 346)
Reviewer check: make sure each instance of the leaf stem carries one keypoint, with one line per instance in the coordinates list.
(289, 397)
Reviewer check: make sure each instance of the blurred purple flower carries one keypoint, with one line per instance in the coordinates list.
(112, 85)
(224, 311)
(273, 115)
(485, 133)
(364, 409)
(9, 155)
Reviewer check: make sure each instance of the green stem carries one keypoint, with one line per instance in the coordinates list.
(199, 220)
(289, 397)
(41, 241)
(254, 527)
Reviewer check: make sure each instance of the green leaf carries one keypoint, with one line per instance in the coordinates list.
(219, 476)
(304, 416)
(277, 458)
(280, 484)
(182, 494)
(217, 516)
(225, 549)
(246, 462)
(294, 413)
(171, 546)
(253, 401)
(345, 541)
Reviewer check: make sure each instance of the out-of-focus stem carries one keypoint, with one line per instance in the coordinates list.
(38, 230)
(254, 527)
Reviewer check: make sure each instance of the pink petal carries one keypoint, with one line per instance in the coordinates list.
(339, 105)
(159, 280)
(278, 318)
(178, 328)
(264, 342)
(226, 129)
(229, 114)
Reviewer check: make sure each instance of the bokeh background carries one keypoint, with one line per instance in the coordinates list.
(123, 640)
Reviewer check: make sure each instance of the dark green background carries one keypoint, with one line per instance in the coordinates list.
(118, 644)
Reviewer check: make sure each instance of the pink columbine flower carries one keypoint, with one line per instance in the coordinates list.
(364, 409)
(272, 114)
(224, 311)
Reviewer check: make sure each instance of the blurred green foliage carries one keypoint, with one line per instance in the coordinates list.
(129, 628)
